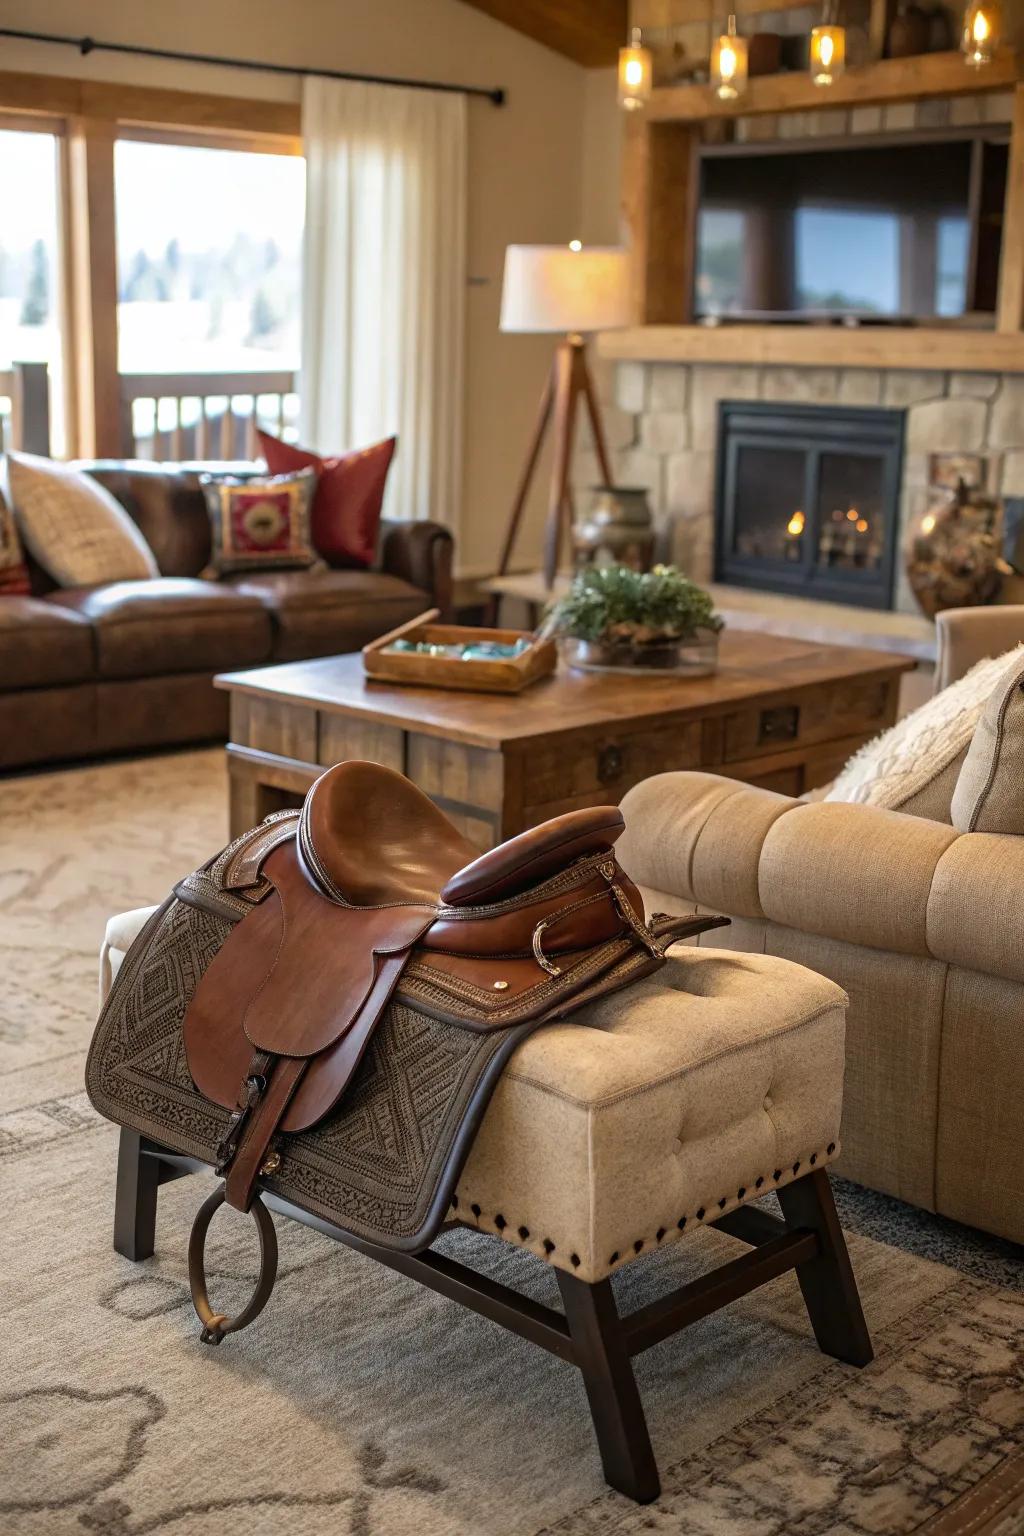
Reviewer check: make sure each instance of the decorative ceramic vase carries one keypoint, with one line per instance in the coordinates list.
(764, 54)
(909, 33)
(617, 531)
(955, 561)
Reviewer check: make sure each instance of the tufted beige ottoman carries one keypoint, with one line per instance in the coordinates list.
(657, 1110)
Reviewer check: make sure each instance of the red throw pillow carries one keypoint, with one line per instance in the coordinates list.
(345, 519)
(14, 579)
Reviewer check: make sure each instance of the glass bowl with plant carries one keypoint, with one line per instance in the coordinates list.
(650, 621)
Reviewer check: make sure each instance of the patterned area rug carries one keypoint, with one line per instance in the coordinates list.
(361, 1404)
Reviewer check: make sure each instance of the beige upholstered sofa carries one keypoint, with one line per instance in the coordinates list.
(921, 924)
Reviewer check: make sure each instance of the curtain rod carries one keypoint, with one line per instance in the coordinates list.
(87, 45)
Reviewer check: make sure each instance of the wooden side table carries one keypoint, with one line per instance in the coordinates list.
(781, 713)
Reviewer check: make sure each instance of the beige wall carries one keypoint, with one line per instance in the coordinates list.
(525, 161)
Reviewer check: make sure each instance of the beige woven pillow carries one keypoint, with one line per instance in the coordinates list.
(73, 526)
(915, 766)
(989, 794)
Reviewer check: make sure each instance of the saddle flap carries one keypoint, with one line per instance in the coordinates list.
(533, 856)
(318, 979)
(292, 977)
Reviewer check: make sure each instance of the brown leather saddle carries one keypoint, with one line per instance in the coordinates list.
(372, 885)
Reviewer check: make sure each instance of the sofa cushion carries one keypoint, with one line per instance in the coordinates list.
(41, 645)
(322, 611)
(914, 766)
(77, 531)
(170, 624)
(989, 794)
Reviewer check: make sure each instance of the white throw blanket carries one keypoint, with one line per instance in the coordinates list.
(905, 759)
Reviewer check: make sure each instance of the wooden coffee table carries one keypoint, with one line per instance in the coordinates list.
(782, 713)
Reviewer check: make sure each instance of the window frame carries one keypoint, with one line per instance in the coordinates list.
(88, 117)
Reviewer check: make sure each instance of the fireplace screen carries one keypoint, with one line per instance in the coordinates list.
(808, 500)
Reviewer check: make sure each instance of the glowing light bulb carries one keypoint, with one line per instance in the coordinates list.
(729, 63)
(982, 33)
(827, 53)
(928, 523)
(796, 524)
(635, 74)
(575, 245)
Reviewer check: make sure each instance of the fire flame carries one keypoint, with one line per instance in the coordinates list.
(795, 526)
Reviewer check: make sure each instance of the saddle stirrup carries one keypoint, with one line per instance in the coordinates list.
(215, 1324)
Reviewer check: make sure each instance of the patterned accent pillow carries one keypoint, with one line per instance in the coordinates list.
(73, 526)
(989, 794)
(260, 524)
(14, 580)
(914, 766)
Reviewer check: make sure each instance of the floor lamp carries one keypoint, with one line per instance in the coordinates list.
(569, 290)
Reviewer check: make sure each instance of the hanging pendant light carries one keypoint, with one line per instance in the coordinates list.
(635, 74)
(983, 31)
(828, 47)
(729, 63)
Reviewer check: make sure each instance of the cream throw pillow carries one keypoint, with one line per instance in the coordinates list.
(989, 794)
(914, 766)
(73, 526)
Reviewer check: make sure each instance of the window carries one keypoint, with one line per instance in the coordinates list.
(30, 273)
(209, 252)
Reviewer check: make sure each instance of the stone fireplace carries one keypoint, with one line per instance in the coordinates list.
(663, 421)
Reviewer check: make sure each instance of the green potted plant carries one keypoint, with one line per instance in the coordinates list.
(656, 620)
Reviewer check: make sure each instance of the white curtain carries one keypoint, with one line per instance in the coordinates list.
(384, 283)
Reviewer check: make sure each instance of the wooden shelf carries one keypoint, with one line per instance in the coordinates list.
(889, 80)
(811, 346)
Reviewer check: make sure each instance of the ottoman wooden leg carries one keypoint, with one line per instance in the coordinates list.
(602, 1355)
(827, 1281)
(138, 1179)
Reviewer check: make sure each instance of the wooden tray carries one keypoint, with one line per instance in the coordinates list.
(500, 676)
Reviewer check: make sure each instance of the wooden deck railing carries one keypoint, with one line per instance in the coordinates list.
(25, 408)
(186, 416)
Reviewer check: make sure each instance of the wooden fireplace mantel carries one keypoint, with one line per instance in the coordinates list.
(660, 192)
(820, 346)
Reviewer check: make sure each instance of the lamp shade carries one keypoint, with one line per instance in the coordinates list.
(565, 288)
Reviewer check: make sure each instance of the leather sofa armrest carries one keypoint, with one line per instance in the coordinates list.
(967, 635)
(420, 553)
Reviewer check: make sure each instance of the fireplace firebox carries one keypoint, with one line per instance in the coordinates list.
(807, 500)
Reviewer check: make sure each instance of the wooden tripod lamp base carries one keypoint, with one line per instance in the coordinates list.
(568, 382)
(571, 290)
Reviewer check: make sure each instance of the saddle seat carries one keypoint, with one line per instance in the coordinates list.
(370, 838)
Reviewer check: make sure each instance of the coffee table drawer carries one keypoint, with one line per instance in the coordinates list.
(851, 708)
(611, 762)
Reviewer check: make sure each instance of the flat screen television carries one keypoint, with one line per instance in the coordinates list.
(886, 231)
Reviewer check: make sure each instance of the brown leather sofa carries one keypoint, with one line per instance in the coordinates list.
(93, 670)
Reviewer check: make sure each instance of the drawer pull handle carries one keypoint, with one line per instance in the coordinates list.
(609, 765)
(782, 724)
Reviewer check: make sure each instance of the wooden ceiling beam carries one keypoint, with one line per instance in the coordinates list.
(591, 32)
